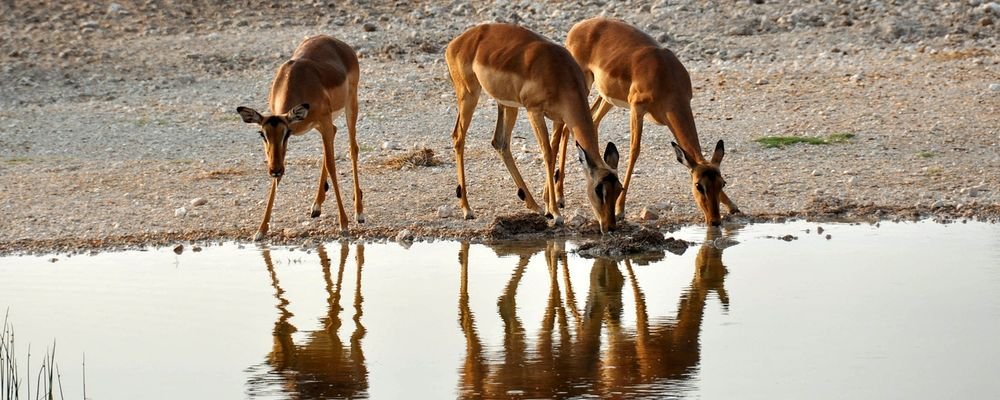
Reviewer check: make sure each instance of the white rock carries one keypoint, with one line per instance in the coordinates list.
(648, 214)
(446, 211)
(857, 77)
(995, 87)
(180, 212)
(991, 7)
(404, 236)
(852, 180)
(816, 172)
(390, 145)
(198, 201)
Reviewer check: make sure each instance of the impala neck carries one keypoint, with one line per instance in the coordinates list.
(682, 123)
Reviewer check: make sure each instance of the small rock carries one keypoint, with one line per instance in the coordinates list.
(852, 180)
(648, 215)
(196, 249)
(404, 236)
(576, 220)
(858, 77)
(937, 204)
(53, 259)
(369, 27)
(390, 145)
(198, 201)
(762, 81)
(180, 212)
(819, 230)
(788, 238)
(115, 8)
(816, 172)
(178, 249)
(995, 87)
(828, 236)
(446, 211)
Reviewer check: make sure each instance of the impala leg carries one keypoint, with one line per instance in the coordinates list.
(352, 133)
(560, 137)
(262, 230)
(501, 142)
(537, 120)
(329, 132)
(599, 110)
(733, 209)
(321, 192)
(466, 107)
(637, 112)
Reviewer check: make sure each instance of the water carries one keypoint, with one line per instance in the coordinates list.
(897, 311)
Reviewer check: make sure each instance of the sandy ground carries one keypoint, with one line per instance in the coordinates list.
(113, 115)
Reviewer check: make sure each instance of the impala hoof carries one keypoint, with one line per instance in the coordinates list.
(360, 218)
(258, 236)
(468, 213)
(315, 213)
(735, 211)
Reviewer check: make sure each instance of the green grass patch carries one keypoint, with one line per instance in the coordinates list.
(770, 142)
(17, 160)
(925, 154)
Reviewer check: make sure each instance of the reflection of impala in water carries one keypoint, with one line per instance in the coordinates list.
(568, 357)
(323, 365)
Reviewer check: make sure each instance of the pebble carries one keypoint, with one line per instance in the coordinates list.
(816, 172)
(446, 211)
(852, 180)
(178, 249)
(576, 220)
(819, 230)
(390, 145)
(180, 212)
(369, 27)
(198, 201)
(648, 214)
(995, 87)
(404, 236)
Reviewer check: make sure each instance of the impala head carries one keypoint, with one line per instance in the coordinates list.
(275, 131)
(603, 186)
(706, 181)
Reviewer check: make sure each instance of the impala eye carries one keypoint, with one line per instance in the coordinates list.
(701, 189)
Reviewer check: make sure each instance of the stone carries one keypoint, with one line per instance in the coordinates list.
(180, 212)
(390, 145)
(404, 236)
(198, 201)
(648, 214)
(369, 27)
(446, 211)
(178, 249)
(995, 87)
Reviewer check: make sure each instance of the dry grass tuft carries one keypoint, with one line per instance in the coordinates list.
(423, 157)
(220, 174)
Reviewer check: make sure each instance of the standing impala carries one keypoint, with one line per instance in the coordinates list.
(631, 70)
(309, 91)
(520, 68)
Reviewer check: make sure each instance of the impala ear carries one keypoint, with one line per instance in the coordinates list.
(298, 113)
(584, 158)
(611, 155)
(720, 151)
(682, 156)
(249, 115)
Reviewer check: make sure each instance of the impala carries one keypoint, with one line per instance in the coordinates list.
(631, 70)
(310, 90)
(520, 68)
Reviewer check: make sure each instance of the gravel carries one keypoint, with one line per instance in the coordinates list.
(114, 116)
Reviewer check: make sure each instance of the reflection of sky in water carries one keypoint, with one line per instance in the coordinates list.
(901, 311)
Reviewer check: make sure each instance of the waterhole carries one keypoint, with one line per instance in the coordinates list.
(907, 310)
